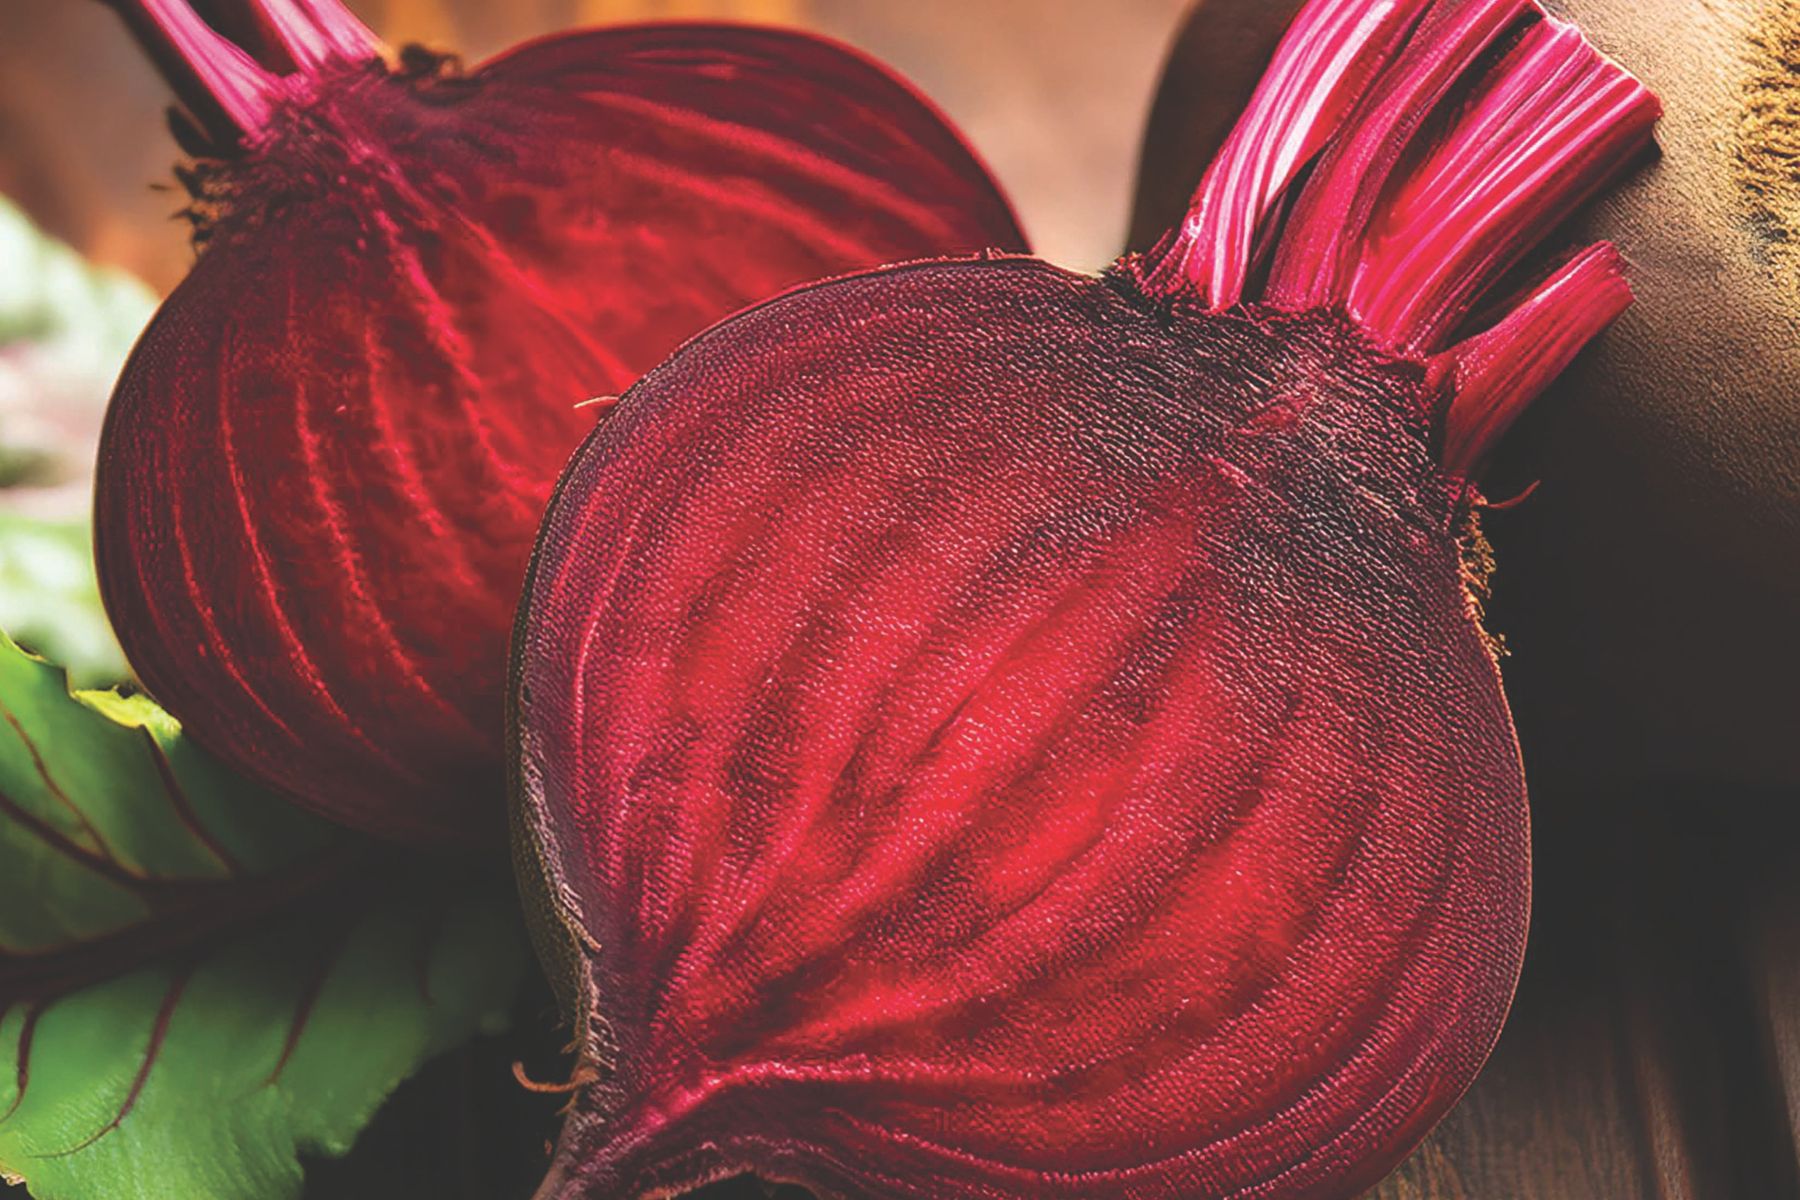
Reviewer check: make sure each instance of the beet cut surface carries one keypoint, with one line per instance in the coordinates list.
(1090, 760)
(325, 462)
(985, 732)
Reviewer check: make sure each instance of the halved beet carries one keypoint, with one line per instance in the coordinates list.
(325, 462)
(986, 731)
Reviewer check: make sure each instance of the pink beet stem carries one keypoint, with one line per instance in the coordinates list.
(1323, 237)
(1497, 374)
(1445, 138)
(1321, 68)
(1545, 130)
(221, 80)
(315, 32)
(204, 68)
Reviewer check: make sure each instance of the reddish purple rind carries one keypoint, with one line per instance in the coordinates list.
(326, 459)
(1018, 741)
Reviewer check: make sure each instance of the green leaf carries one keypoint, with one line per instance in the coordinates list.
(198, 982)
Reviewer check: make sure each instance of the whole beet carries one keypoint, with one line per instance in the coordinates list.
(418, 288)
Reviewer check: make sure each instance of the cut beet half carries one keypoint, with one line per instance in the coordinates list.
(983, 731)
(419, 288)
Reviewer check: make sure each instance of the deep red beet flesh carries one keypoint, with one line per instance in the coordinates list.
(1116, 775)
(988, 732)
(325, 462)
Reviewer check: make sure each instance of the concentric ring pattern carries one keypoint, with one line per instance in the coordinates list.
(1063, 764)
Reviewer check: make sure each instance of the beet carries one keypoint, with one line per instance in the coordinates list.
(986, 731)
(1666, 457)
(326, 460)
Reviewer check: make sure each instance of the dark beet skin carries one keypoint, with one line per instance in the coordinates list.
(325, 462)
(1103, 793)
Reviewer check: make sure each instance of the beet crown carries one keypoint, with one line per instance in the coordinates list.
(985, 731)
(325, 461)
(1667, 456)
